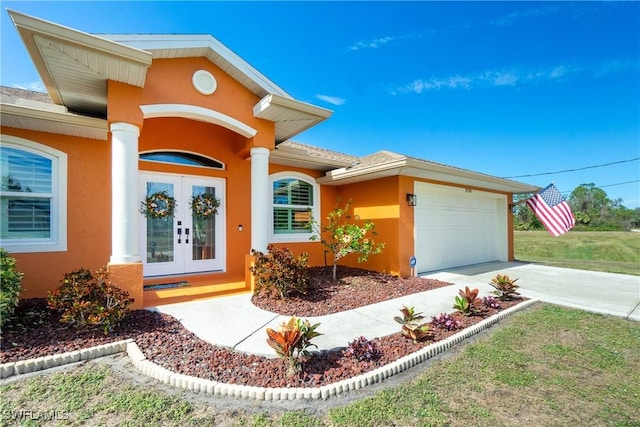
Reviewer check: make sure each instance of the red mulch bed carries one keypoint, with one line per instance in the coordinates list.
(353, 288)
(36, 332)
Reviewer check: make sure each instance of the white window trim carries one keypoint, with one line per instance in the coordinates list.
(294, 237)
(57, 242)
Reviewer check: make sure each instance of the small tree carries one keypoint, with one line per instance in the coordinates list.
(342, 236)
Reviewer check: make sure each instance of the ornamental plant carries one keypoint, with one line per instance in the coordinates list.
(90, 300)
(445, 321)
(279, 271)
(363, 350)
(505, 287)
(343, 235)
(10, 286)
(467, 301)
(411, 326)
(491, 302)
(291, 341)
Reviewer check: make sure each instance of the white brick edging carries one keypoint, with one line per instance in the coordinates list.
(216, 388)
(47, 362)
(312, 393)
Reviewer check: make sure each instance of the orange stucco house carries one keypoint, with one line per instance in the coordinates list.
(134, 118)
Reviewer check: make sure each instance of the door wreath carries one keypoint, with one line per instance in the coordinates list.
(204, 206)
(158, 205)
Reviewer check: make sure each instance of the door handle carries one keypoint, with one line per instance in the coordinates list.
(179, 234)
(186, 232)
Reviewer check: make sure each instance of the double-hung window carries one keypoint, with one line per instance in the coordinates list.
(32, 197)
(294, 202)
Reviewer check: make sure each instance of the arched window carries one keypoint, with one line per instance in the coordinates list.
(33, 198)
(181, 158)
(294, 201)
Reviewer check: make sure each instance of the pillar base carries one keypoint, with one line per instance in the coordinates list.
(128, 277)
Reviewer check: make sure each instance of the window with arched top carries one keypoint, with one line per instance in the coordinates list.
(182, 158)
(294, 201)
(33, 196)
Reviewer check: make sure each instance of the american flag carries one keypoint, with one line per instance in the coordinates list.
(552, 210)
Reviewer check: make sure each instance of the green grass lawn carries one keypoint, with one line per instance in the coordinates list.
(546, 366)
(614, 252)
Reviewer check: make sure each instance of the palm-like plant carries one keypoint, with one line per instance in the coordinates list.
(292, 340)
(505, 287)
(467, 301)
(411, 327)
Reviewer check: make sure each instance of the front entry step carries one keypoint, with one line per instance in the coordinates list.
(170, 291)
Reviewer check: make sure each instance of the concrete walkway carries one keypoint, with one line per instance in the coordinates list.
(236, 323)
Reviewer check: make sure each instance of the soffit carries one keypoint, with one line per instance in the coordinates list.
(75, 66)
(290, 116)
(46, 117)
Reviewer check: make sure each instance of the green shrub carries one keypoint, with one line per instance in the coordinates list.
(87, 300)
(280, 272)
(10, 286)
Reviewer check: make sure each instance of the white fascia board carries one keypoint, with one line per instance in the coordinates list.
(29, 103)
(53, 116)
(261, 108)
(468, 177)
(49, 29)
(151, 42)
(363, 174)
(418, 169)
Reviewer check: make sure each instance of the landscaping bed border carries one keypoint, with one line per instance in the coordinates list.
(217, 388)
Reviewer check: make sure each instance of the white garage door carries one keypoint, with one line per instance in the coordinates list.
(455, 227)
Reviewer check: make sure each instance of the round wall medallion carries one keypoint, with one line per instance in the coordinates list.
(204, 82)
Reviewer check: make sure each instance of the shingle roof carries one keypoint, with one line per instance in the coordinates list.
(25, 94)
(321, 153)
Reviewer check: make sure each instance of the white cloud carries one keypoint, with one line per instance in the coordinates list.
(35, 86)
(615, 66)
(511, 18)
(500, 78)
(372, 44)
(494, 78)
(331, 99)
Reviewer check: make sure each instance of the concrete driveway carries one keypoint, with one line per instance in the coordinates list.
(606, 293)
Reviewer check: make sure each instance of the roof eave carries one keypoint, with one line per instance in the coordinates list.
(291, 117)
(425, 170)
(57, 122)
(107, 52)
(168, 46)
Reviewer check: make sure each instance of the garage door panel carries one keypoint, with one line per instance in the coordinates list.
(455, 228)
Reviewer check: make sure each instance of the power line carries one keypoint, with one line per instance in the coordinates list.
(574, 170)
(608, 185)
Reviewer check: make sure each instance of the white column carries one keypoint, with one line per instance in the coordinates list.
(124, 193)
(260, 198)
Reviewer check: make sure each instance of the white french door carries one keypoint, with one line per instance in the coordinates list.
(184, 243)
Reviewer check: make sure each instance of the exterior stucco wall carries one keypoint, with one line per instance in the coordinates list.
(88, 213)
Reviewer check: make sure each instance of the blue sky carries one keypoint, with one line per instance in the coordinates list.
(504, 88)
